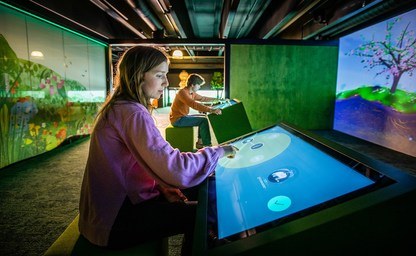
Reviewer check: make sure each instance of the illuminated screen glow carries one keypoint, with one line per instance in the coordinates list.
(275, 174)
(376, 85)
(224, 104)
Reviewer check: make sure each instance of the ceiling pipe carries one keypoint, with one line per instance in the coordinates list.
(175, 20)
(291, 18)
(177, 12)
(364, 14)
(69, 19)
(252, 17)
(115, 10)
(142, 9)
(190, 52)
(166, 12)
(117, 17)
(227, 17)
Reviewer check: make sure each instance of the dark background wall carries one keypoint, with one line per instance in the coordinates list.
(173, 76)
(291, 83)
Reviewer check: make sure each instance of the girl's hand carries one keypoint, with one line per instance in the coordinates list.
(173, 194)
(230, 150)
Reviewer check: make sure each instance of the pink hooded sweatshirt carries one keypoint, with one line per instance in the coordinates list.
(127, 158)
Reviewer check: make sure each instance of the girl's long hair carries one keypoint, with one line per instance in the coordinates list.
(130, 71)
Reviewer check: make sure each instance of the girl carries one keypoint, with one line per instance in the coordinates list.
(130, 190)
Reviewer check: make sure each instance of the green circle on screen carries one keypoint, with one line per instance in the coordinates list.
(279, 203)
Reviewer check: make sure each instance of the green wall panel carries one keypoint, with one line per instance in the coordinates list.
(290, 83)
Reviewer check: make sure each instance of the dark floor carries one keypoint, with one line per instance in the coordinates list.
(39, 199)
(39, 196)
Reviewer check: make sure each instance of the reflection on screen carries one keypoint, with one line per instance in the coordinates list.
(275, 174)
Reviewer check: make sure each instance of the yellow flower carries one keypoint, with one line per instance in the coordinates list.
(37, 127)
(34, 129)
(31, 130)
(28, 141)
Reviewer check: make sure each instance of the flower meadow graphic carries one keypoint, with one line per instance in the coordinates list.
(36, 112)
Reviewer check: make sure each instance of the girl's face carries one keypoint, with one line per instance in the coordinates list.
(155, 81)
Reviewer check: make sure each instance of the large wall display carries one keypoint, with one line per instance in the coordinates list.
(288, 82)
(376, 87)
(51, 82)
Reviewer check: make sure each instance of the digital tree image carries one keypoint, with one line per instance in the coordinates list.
(395, 56)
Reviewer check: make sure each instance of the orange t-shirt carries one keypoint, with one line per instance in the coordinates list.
(184, 100)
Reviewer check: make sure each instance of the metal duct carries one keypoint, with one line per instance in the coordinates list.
(142, 9)
(368, 12)
(115, 14)
(291, 17)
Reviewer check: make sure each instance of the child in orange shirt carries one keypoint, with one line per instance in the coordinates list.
(187, 98)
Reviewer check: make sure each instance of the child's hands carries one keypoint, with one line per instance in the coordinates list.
(216, 111)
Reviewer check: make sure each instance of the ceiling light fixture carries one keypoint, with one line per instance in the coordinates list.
(37, 55)
(177, 54)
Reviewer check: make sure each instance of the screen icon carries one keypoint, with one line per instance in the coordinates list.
(279, 203)
(280, 175)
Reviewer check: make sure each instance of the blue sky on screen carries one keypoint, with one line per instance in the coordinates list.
(351, 72)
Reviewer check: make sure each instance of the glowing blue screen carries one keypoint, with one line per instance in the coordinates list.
(275, 174)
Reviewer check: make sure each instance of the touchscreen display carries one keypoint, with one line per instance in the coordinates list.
(275, 174)
(223, 104)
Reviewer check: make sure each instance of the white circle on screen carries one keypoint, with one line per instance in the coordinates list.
(279, 203)
(257, 149)
(280, 175)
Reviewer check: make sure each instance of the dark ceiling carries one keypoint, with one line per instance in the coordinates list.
(200, 27)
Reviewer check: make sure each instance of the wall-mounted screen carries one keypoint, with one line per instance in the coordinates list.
(376, 84)
(52, 82)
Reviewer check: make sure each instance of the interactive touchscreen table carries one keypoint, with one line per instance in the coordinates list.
(278, 178)
(275, 174)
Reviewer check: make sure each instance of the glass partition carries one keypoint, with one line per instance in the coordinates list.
(51, 84)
